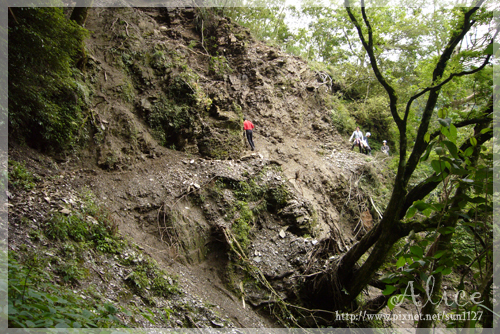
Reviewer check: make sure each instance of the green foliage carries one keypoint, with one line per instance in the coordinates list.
(470, 234)
(39, 294)
(373, 116)
(267, 20)
(35, 302)
(217, 189)
(242, 226)
(172, 114)
(62, 228)
(167, 119)
(20, 177)
(342, 119)
(101, 234)
(45, 109)
(139, 279)
(92, 224)
(206, 22)
(163, 285)
(184, 87)
(219, 66)
(127, 91)
(221, 147)
(239, 212)
(277, 197)
(147, 276)
(71, 272)
(248, 191)
(159, 62)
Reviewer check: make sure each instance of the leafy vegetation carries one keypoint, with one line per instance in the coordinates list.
(35, 302)
(167, 119)
(147, 276)
(267, 20)
(171, 116)
(42, 279)
(219, 66)
(242, 225)
(46, 104)
(19, 176)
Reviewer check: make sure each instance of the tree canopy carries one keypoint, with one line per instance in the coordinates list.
(431, 69)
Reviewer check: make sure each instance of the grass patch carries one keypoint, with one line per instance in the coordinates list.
(146, 276)
(20, 177)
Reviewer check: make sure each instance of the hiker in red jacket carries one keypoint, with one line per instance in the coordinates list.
(248, 127)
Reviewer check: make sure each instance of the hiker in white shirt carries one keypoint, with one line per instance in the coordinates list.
(365, 145)
(357, 136)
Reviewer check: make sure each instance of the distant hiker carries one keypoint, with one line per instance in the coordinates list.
(365, 145)
(248, 127)
(385, 148)
(357, 136)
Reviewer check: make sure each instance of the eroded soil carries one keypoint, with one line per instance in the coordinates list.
(140, 182)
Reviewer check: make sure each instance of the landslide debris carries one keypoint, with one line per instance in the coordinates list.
(236, 232)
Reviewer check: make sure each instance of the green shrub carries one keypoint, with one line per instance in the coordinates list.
(19, 176)
(218, 66)
(91, 224)
(277, 197)
(159, 62)
(35, 235)
(63, 227)
(342, 120)
(242, 226)
(71, 272)
(45, 109)
(167, 120)
(139, 279)
(164, 287)
(37, 303)
(373, 115)
(147, 275)
(248, 191)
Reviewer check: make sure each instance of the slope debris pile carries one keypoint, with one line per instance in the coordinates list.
(198, 226)
(71, 246)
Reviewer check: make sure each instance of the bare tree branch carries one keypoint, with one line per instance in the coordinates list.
(369, 49)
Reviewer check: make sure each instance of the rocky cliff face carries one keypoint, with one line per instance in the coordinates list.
(167, 156)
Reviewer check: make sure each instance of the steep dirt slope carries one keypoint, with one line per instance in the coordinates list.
(277, 92)
(157, 80)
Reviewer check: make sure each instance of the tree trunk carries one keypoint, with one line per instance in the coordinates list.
(354, 283)
(338, 287)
